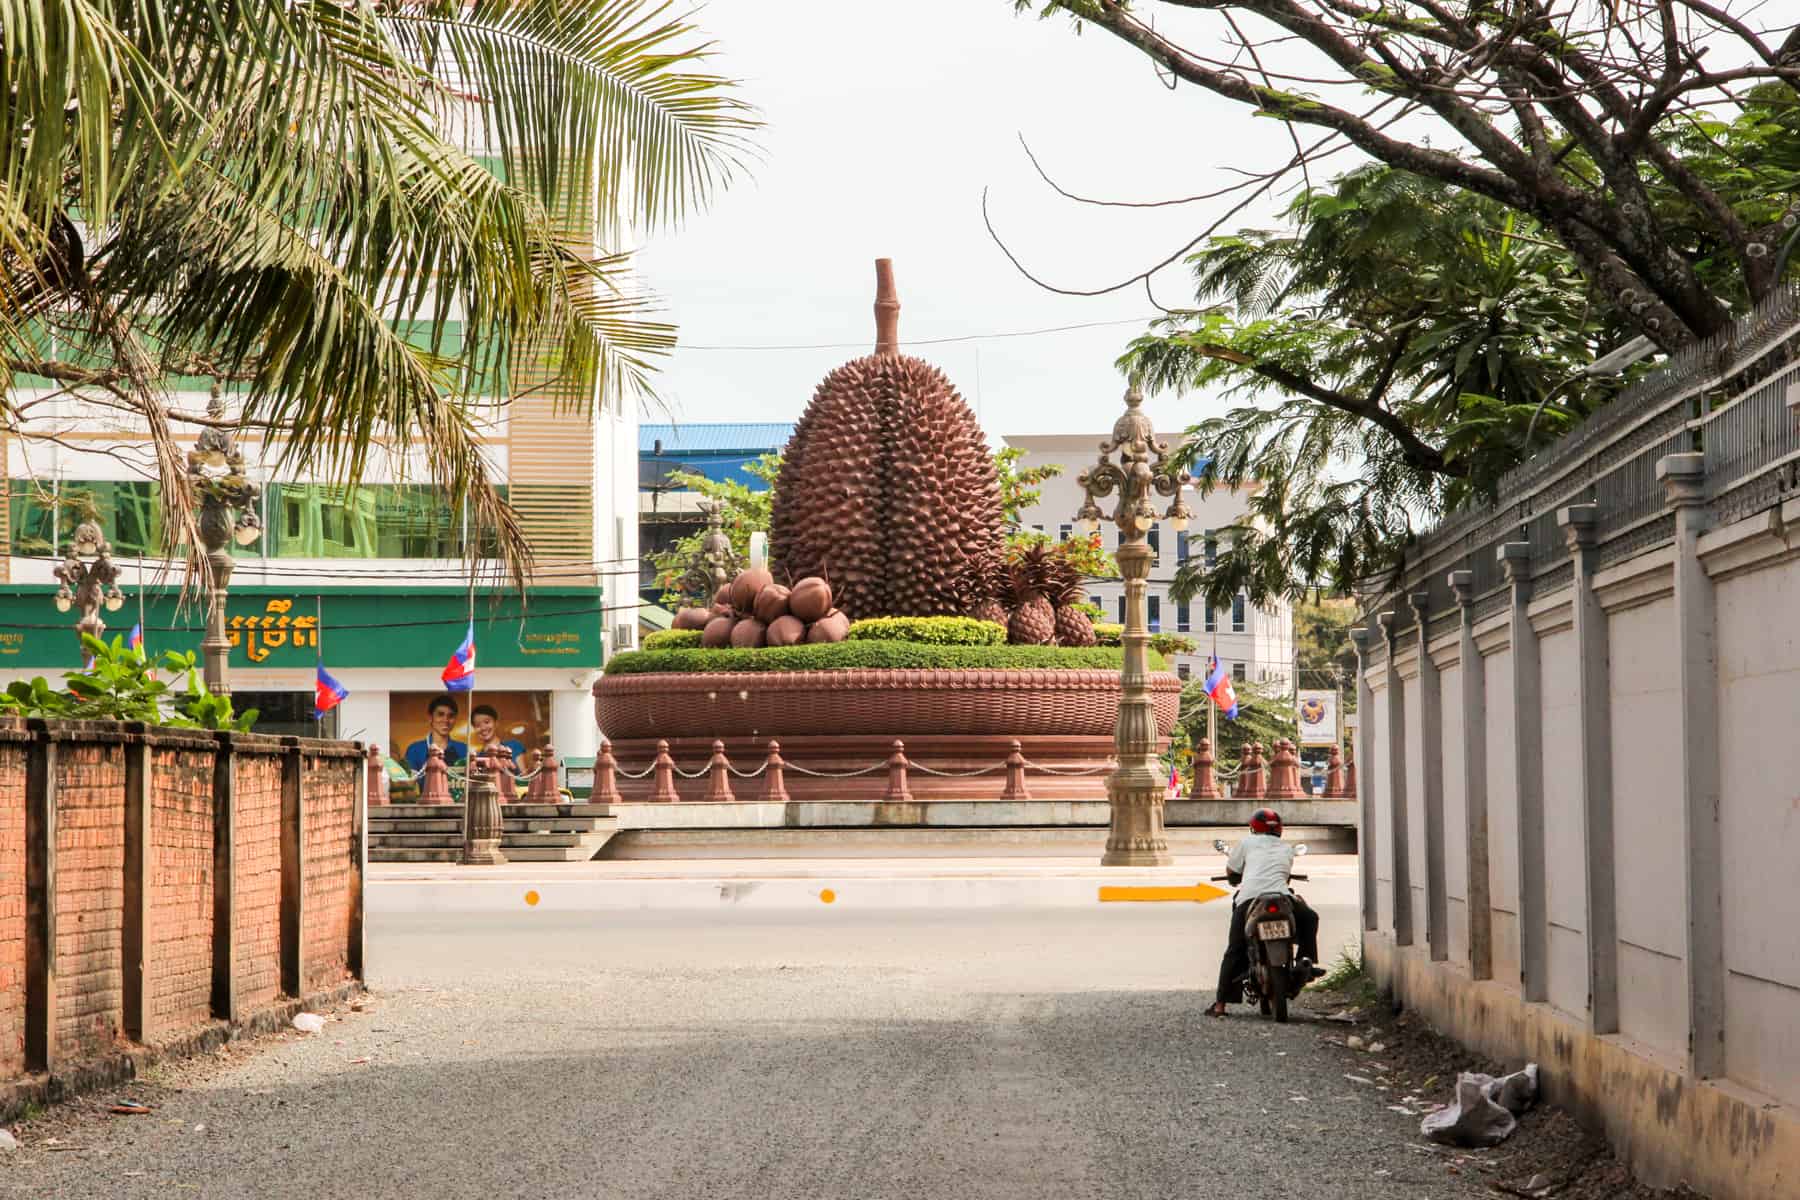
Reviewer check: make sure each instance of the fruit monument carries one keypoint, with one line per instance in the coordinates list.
(891, 611)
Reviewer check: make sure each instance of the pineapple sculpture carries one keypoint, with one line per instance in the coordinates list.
(988, 580)
(886, 487)
(1073, 627)
(1033, 618)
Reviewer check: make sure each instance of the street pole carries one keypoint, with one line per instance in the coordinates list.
(90, 586)
(1137, 787)
(227, 502)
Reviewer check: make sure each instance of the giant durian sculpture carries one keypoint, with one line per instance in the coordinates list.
(887, 488)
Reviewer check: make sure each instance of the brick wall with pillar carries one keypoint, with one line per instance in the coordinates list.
(144, 889)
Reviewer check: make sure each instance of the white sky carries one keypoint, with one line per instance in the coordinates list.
(885, 121)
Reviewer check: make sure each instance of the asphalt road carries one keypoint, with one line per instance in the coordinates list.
(809, 1052)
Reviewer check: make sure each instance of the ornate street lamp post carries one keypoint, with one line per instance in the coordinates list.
(227, 502)
(1143, 469)
(90, 586)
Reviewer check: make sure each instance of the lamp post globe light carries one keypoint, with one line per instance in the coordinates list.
(227, 502)
(1142, 470)
(87, 585)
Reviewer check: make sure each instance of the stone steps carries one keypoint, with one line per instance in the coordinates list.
(530, 832)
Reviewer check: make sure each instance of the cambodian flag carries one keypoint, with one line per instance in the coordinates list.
(328, 693)
(135, 639)
(1174, 780)
(1218, 686)
(459, 673)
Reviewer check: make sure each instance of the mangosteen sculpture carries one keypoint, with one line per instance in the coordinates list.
(887, 488)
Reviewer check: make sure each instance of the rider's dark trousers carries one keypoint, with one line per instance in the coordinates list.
(1237, 947)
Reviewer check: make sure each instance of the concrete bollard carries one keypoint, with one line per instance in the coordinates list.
(1334, 775)
(1250, 782)
(1284, 773)
(377, 776)
(663, 791)
(606, 777)
(434, 786)
(1015, 774)
(1350, 772)
(1206, 784)
(774, 788)
(506, 775)
(718, 780)
(897, 791)
(545, 787)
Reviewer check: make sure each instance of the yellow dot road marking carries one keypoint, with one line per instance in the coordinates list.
(828, 896)
(1199, 893)
(531, 898)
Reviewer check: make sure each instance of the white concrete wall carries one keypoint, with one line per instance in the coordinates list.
(1503, 818)
(1759, 818)
(1647, 841)
(1565, 862)
(1653, 726)
(1456, 834)
(1375, 774)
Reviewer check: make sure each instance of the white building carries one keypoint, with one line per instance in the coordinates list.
(1254, 643)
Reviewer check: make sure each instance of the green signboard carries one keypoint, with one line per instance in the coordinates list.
(274, 628)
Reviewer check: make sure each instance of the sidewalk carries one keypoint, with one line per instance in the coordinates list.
(786, 883)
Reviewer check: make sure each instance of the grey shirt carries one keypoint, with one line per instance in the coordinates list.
(1264, 861)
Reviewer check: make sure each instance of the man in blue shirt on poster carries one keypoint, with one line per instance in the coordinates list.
(442, 712)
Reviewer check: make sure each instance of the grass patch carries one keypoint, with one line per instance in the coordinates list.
(1347, 975)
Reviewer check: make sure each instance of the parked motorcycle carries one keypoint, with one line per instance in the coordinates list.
(1276, 972)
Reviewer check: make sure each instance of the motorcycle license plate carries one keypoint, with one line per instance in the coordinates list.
(1268, 931)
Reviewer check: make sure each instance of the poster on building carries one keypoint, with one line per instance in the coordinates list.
(1318, 716)
(419, 720)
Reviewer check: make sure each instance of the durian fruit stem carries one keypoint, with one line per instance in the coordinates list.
(887, 308)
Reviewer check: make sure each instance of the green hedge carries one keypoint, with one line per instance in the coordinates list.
(672, 639)
(933, 631)
(1109, 634)
(840, 656)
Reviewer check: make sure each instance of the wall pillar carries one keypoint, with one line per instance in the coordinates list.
(1528, 763)
(292, 954)
(1474, 742)
(1593, 695)
(40, 901)
(1431, 734)
(1396, 773)
(1683, 478)
(1366, 834)
(224, 972)
(135, 1007)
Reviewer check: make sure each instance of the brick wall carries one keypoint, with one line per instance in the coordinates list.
(256, 878)
(330, 788)
(179, 889)
(12, 907)
(90, 895)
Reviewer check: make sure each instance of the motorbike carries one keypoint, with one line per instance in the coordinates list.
(1276, 973)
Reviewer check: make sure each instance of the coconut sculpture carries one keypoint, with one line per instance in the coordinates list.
(887, 489)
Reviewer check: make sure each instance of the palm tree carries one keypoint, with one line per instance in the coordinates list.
(305, 199)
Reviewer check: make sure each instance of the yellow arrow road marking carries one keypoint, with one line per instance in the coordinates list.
(1199, 893)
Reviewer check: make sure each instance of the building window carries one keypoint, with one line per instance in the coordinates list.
(1037, 529)
(1238, 673)
(1155, 614)
(1155, 538)
(1181, 546)
(1237, 613)
(1063, 531)
(1121, 610)
(1212, 619)
(1182, 671)
(1181, 617)
(1212, 549)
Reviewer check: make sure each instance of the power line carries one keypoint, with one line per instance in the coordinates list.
(940, 341)
(460, 619)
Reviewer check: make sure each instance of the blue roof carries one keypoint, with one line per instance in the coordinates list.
(760, 437)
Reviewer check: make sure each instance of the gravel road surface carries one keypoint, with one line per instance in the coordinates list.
(821, 1052)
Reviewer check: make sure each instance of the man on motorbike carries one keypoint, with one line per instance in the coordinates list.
(1259, 866)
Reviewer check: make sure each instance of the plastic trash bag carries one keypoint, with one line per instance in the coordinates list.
(1484, 1111)
(308, 1022)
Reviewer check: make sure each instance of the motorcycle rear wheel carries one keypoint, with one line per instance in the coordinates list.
(1278, 986)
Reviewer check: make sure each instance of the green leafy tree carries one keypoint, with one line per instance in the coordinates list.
(1394, 347)
(1322, 636)
(281, 197)
(745, 510)
(119, 683)
(1019, 491)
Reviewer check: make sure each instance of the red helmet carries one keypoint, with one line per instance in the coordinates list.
(1266, 820)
